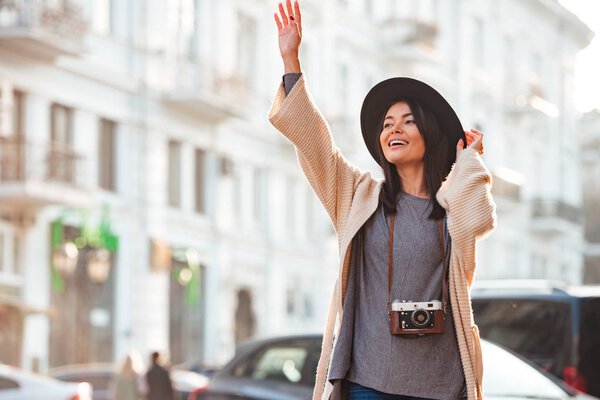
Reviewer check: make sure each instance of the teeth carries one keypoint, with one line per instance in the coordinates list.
(397, 142)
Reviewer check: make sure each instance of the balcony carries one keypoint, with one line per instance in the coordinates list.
(409, 39)
(201, 89)
(36, 175)
(37, 29)
(555, 217)
(506, 188)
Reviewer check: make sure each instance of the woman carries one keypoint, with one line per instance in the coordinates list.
(398, 238)
(129, 382)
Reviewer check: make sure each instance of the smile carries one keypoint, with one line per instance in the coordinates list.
(397, 142)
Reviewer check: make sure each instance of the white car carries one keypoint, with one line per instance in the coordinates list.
(506, 376)
(282, 368)
(16, 384)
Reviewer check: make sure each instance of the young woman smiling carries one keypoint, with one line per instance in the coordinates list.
(411, 236)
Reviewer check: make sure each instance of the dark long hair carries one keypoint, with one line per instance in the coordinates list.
(437, 161)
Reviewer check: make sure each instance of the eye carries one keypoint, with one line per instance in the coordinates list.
(410, 121)
(387, 125)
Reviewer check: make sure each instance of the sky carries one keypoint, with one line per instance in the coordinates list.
(587, 75)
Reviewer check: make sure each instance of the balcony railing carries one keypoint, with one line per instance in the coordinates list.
(506, 189)
(557, 210)
(213, 93)
(401, 33)
(21, 161)
(41, 29)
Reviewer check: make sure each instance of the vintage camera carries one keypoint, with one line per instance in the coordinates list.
(416, 318)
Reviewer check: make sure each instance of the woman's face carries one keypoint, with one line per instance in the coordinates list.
(400, 138)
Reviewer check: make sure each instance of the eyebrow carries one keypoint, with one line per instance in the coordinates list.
(403, 116)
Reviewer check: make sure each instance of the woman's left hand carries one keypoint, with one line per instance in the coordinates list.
(474, 140)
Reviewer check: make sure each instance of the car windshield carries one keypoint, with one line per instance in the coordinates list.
(505, 375)
(536, 329)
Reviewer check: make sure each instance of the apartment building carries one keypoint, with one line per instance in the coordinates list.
(147, 203)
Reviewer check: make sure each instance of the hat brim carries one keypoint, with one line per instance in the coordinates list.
(387, 92)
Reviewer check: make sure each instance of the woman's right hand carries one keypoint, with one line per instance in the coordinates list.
(289, 25)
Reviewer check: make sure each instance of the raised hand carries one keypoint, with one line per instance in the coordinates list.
(289, 24)
(474, 140)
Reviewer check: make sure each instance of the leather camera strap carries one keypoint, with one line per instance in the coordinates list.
(390, 263)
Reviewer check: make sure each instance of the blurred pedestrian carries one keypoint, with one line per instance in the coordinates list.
(129, 382)
(436, 188)
(158, 380)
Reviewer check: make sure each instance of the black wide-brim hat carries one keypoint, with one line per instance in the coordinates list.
(390, 91)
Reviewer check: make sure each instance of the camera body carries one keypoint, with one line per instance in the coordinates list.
(417, 318)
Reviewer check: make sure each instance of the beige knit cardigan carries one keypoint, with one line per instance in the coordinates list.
(351, 197)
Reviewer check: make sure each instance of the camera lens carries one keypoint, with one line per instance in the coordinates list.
(420, 318)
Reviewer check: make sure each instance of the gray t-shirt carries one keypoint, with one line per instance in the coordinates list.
(366, 352)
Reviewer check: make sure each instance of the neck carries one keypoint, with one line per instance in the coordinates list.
(413, 180)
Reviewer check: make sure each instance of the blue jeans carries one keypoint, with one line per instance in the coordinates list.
(358, 392)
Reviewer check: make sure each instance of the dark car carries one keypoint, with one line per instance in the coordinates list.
(555, 326)
(284, 369)
(101, 375)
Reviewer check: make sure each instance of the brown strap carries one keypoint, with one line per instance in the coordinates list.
(390, 263)
(444, 270)
(390, 257)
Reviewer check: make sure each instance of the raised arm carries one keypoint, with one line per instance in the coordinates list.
(296, 116)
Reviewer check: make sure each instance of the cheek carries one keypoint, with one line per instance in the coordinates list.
(382, 139)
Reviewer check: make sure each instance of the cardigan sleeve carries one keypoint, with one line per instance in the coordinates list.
(332, 178)
(466, 196)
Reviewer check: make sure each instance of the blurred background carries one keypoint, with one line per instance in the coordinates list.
(147, 204)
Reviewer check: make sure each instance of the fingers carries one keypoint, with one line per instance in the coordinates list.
(290, 10)
(298, 16)
(284, 17)
(475, 140)
(278, 22)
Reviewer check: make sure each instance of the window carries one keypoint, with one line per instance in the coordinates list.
(61, 157)
(283, 364)
(260, 194)
(101, 18)
(16, 254)
(291, 208)
(2, 251)
(478, 42)
(18, 114)
(61, 123)
(200, 194)
(368, 7)
(106, 155)
(246, 39)
(174, 183)
(522, 325)
(187, 29)
(12, 151)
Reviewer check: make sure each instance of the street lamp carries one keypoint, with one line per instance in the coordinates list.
(64, 258)
(98, 265)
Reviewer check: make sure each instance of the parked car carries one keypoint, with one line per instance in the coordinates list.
(555, 326)
(284, 369)
(16, 384)
(101, 375)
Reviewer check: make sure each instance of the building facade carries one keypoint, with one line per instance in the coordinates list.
(139, 128)
(590, 165)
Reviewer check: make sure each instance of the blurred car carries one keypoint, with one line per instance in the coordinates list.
(101, 375)
(555, 326)
(284, 369)
(16, 384)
